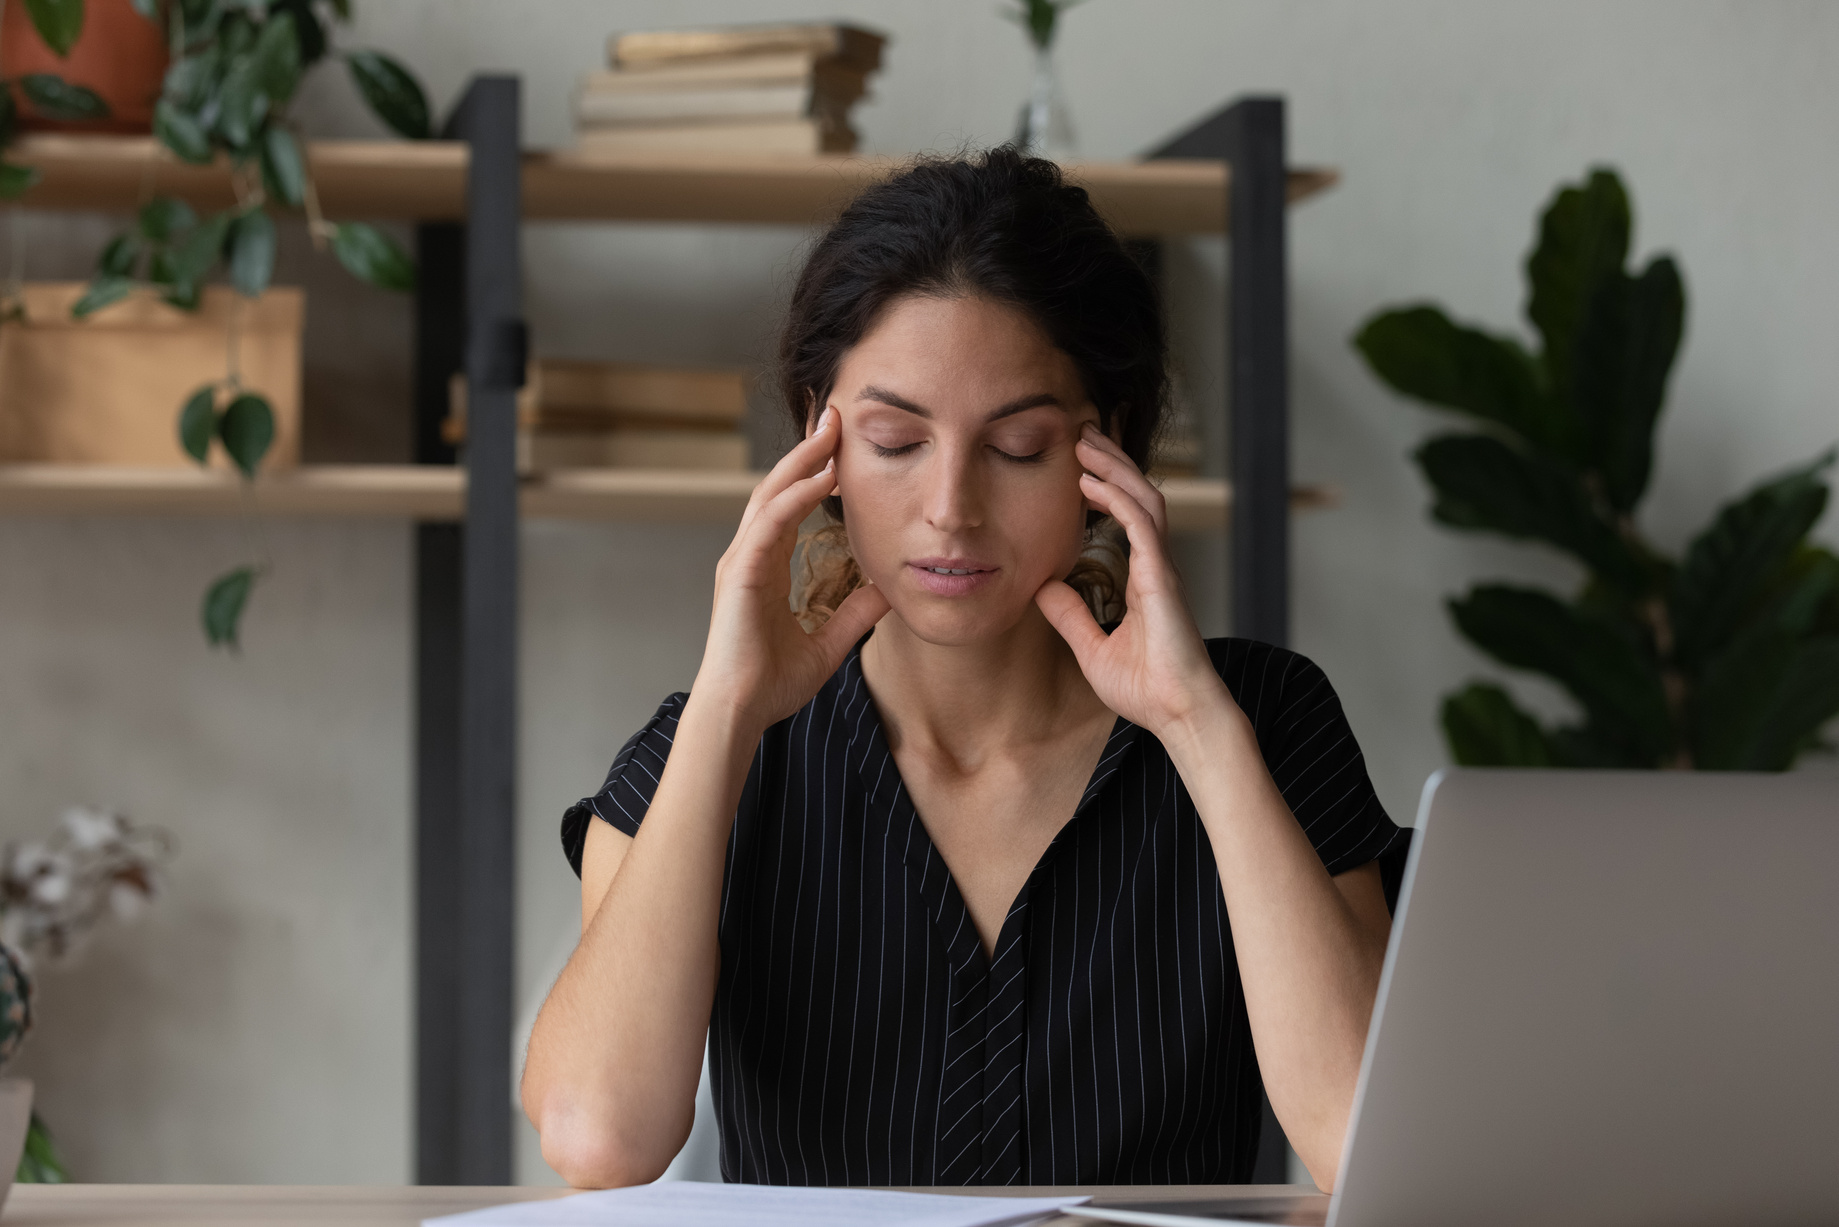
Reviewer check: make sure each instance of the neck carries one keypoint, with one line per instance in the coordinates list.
(973, 700)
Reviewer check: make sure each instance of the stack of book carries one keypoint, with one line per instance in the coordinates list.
(738, 89)
(592, 415)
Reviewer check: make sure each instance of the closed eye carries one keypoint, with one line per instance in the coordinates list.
(1031, 458)
(893, 451)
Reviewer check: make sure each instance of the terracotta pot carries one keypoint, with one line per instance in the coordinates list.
(120, 54)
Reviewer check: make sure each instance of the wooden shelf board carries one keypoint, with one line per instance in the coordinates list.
(427, 180)
(438, 492)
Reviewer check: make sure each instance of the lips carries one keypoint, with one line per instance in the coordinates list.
(951, 576)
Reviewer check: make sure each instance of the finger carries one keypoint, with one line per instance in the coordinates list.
(1149, 564)
(796, 465)
(1103, 457)
(860, 610)
(776, 521)
(1069, 615)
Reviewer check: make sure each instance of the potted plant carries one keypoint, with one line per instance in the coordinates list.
(54, 894)
(234, 73)
(1723, 657)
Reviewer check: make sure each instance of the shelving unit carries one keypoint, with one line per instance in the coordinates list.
(470, 194)
(436, 493)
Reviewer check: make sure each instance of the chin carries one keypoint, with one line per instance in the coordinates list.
(955, 622)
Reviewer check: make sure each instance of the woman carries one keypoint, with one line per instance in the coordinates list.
(962, 887)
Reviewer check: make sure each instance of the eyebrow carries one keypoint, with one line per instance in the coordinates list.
(897, 401)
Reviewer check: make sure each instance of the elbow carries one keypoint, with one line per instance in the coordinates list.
(591, 1151)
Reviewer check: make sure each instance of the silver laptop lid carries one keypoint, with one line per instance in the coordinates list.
(1611, 1000)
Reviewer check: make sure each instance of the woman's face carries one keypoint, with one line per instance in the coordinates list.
(956, 469)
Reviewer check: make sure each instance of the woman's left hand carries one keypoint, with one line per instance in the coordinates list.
(1153, 669)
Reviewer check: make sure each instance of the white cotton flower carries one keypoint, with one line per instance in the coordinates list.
(51, 886)
(91, 828)
(126, 901)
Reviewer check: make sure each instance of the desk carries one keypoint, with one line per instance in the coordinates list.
(117, 1205)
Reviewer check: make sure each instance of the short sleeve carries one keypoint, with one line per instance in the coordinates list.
(631, 782)
(1311, 753)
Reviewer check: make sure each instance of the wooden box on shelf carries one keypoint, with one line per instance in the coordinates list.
(107, 389)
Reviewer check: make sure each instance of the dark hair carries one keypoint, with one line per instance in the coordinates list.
(1001, 226)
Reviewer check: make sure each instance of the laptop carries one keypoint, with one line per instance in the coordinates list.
(1611, 999)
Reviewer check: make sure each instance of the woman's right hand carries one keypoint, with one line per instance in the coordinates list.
(759, 664)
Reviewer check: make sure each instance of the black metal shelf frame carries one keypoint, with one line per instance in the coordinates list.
(469, 316)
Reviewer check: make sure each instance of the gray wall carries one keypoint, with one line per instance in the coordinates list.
(255, 1027)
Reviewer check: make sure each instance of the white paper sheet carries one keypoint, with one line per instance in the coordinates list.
(688, 1204)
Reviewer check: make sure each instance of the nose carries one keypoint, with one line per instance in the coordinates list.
(954, 496)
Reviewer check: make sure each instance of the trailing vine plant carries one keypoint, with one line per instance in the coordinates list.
(1724, 658)
(236, 65)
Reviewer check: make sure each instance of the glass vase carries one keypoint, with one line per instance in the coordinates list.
(1045, 128)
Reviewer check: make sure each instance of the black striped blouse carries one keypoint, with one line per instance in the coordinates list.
(861, 1036)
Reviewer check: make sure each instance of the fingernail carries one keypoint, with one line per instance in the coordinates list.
(823, 420)
(830, 465)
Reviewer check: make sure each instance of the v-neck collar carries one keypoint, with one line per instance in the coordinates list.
(875, 766)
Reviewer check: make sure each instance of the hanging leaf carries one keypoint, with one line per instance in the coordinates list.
(120, 256)
(195, 254)
(223, 606)
(198, 423)
(252, 252)
(181, 133)
(1583, 239)
(106, 289)
(56, 98)
(283, 169)
(16, 180)
(1485, 728)
(247, 428)
(1615, 679)
(370, 255)
(1482, 483)
(392, 92)
(191, 80)
(58, 22)
(150, 9)
(276, 59)
(242, 104)
(1806, 700)
(310, 32)
(164, 218)
(1746, 545)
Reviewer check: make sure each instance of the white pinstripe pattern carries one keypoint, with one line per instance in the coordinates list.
(861, 1036)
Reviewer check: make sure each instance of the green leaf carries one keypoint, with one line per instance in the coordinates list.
(252, 252)
(276, 59)
(1807, 699)
(1602, 664)
(120, 256)
(150, 9)
(9, 115)
(198, 423)
(194, 256)
(40, 1164)
(164, 218)
(1624, 353)
(283, 169)
(1583, 239)
(1421, 353)
(106, 289)
(370, 255)
(16, 180)
(181, 132)
(193, 79)
(1482, 483)
(247, 428)
(1745, 547)
(392, 92)
(56, 98)
(58, 22)
(242, 105)
(1485, 728)
(310, 31)
(223, 606)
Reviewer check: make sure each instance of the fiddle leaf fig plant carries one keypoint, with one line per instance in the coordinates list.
(234, 73)
(1723, 658)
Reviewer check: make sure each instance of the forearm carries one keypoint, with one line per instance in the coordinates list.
(1309, 965)
(616, 1052)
